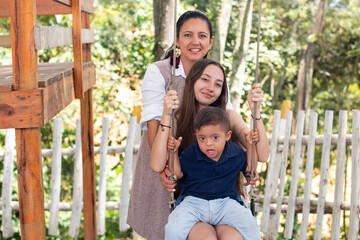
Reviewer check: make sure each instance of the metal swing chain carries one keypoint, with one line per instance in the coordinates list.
(252, 175)
(173, 176)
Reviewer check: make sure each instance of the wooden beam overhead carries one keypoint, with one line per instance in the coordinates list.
(49, 7)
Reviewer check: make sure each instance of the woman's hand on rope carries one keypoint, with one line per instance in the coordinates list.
(255, 95)
(169, 185)
(171, 102)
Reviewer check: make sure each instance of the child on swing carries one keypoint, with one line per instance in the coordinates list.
(208, 172)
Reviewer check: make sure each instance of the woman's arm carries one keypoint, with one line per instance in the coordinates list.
(239, 127)
(159, 149)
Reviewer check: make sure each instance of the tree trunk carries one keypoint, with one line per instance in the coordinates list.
(222, 25)
(240, 51)
(164, 26)
(304, 84)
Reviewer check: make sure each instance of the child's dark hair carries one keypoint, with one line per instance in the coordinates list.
(212, 116)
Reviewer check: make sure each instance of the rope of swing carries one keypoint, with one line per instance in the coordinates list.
(252, 175)
(173, 176)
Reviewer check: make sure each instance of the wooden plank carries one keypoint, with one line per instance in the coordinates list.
(49, 7)
(30, 183)
(77, 49)
(6, 78)
(4, 8)
(21, 109)
(340, 176)
(71, 151)
(295, 169)
(86, 5)
(308, 175)
(89, 75)
(101, 230)
(299, 202)
(86, 48)
(76, 208)
(125, 186)
(272, 231)
(284, 159)
(355, 177)
(52, 36)
(324, 173)
(5, 41)
(271, 181)
(55, 177)
(87, 35)
(87, 132)
(57, 96)
(7, 228)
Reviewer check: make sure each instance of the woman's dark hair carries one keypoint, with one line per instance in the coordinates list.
(189, 105)
(180, 22)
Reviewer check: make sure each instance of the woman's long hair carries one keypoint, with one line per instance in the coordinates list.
(180, 22)
(190, 106)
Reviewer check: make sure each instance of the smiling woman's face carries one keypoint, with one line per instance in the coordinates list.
(194, 40)
(208, 87)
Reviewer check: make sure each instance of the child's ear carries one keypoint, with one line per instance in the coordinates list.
(228, 135)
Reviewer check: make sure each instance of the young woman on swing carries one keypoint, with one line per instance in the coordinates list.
(206, 86)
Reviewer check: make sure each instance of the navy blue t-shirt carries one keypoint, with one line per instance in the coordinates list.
(208, 179)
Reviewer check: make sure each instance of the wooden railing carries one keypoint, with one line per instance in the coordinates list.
(270, 205)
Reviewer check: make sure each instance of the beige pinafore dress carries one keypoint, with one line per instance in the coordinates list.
(148, 208)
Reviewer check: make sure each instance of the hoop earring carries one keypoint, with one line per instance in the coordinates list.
(177, 52)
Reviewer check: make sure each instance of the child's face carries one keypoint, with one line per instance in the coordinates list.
(208, 87)
(211, 140)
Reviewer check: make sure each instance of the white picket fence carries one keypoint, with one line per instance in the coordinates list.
(274, 202)
(130, 149)
(271, 204)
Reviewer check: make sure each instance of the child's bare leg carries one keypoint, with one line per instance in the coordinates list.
(227, 232)
(202, 231)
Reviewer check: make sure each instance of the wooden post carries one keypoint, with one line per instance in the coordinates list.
(55, 177)
(289, 224)
(103, 177)
(324, 173)
(77, 49)
(7, 184)
(308, 175)
(76, 208)
(28, 144)
(87, 140)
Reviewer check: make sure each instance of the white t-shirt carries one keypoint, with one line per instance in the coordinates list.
(153, 93)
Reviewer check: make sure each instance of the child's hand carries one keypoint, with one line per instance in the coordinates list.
(248, 178)
(174, 144)
(171, 101)
(252, 136)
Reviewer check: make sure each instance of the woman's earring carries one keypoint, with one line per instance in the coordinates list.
(208, 54)
(177, 52)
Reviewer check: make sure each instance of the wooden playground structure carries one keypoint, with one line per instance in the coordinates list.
(32, 93)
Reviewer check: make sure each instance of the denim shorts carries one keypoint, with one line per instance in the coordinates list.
(215, 212)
